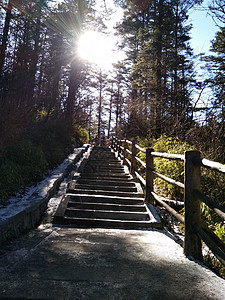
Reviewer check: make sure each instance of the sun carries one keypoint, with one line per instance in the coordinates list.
(97, 48)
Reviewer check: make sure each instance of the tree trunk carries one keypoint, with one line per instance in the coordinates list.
(110, 112)
(100, 104)
(5, 36)
(73, 87)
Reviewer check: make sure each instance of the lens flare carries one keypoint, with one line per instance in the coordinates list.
(98, 48)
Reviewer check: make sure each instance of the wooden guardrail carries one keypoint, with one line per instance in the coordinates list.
(196, 230)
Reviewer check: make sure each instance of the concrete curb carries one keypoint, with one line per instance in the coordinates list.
(30, 217)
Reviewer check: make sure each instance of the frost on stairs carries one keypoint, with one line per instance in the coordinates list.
(105, 195)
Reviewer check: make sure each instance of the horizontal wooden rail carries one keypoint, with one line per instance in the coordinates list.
(128, 151)
(210, 164)
(195, 229)
(168, 156)
(211, 203)
(167, 179)
(178, 216)
(142, 180)
(211, 244)
(128, 162)
(140, 161)
(141, 149)
(213, 236)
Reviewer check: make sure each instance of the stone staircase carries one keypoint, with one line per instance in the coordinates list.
(105, 195)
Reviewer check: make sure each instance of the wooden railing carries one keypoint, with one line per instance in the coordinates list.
(196, 230)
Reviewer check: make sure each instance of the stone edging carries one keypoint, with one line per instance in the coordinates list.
(30, 217)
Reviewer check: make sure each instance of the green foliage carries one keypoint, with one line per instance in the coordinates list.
(30, 159)
(212, 184)
(170, 168)
(81, 134)
(11, 180)
(36, 152)
(55, 142)
(23, 164)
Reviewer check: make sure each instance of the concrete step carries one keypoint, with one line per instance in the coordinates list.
(100, 181)
(103, 170)
(106, 214)
(106, 162)
(118, 188)
(104, 165)
(105, 193)
(108, 223)
(105, 196)
(101, 149)
(106, 176)
(103, 157)
(82, 198)
(113, 161)
(107, 206)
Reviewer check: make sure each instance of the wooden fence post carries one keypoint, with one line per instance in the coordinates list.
(133, 160)
(192, 176)
(125, 152)
(116, 144)
(149, 176)
(119, 147)
(112, 143)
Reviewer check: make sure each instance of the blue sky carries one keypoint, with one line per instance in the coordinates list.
(203, 30)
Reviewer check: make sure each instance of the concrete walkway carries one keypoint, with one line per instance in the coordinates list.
(102, 264)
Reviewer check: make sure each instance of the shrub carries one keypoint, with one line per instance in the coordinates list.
(11, 180)
(170, 168)
(24, 163)
(30, 158)
(212, 184)
(42, 148)
(81, 134)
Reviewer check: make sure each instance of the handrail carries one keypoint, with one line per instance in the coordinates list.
(128, 151)
(192, 194)
(140, 161)
(170, 180)
(211, 244)
(168, 208)
(168, 155)
(210, 164)
(140, 149)
(211, 203)
(142, 180)
(127, 160)
(129, 142)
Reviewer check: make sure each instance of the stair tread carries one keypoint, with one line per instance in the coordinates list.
(118, 188)
(107, 211)
(108, 197)
(108, 204)
(111, 220)
(106, 177)
(102, 192)
(105, 195)
(105, 182)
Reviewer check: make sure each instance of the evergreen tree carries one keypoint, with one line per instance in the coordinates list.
(161, 63)
(216, 68)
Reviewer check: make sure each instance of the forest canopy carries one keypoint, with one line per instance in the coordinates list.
(51, 98)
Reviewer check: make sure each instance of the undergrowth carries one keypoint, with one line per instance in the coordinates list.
(212, 184)
(37, 151)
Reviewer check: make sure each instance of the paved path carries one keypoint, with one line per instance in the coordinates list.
(102, 264)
